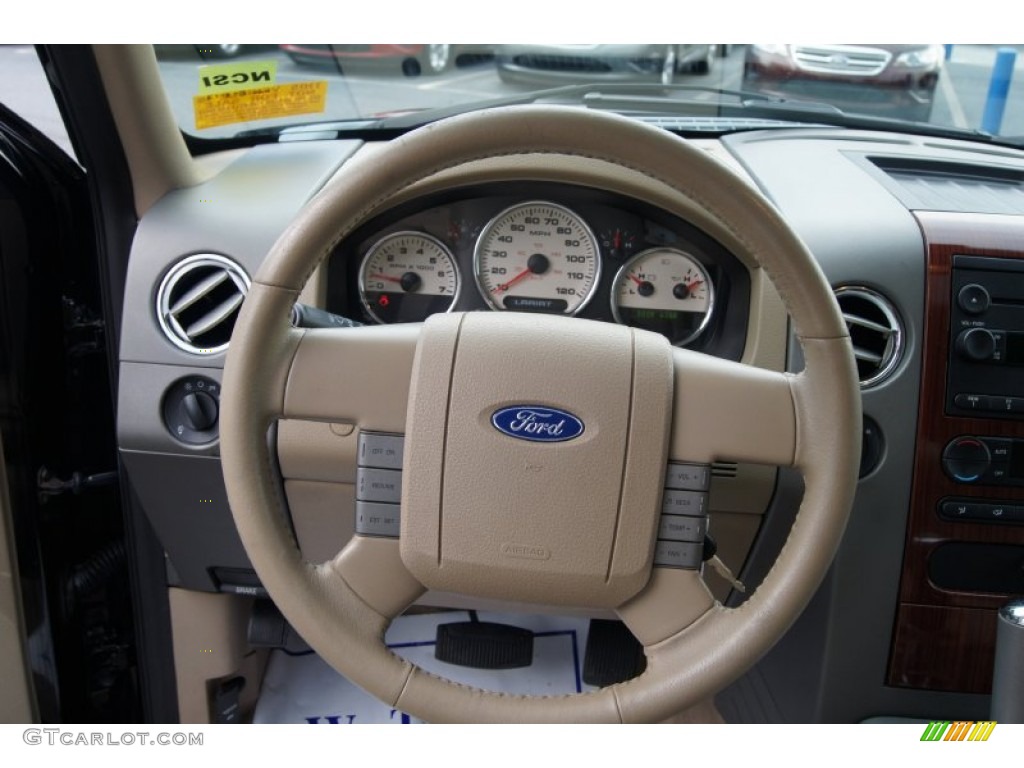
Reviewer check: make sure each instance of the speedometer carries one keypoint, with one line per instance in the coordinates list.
(537, 257)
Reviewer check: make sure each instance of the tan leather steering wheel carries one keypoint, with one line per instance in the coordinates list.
(566, 523)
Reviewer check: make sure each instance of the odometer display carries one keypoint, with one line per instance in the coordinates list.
(537, 257)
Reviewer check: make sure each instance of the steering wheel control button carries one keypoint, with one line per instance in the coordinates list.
(973, 299)
(966, 459)
(378, 485)
(682, 528)
(383, 451)
(191, 408)
(679, 554)
(375, 519)
(683, 502)
(688, 477)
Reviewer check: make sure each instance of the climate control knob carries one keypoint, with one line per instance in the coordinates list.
(966, 459)
(976, 344)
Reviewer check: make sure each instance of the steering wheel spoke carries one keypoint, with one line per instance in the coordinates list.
(355, 375)
(673, 599)
(731, 412)
(372, 568)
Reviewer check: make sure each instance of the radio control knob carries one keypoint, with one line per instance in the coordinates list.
(966, 459)
(973, 299)
(976, 344)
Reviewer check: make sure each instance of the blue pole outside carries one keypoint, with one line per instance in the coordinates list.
(949, 51)
(998, 89)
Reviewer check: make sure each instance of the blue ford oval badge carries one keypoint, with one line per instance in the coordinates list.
(537, 423)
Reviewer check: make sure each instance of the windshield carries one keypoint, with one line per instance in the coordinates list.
(228, 90)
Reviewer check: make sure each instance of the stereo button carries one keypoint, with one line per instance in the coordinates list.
(973, 299)
(972, 402)
(977, 344)
(1000, 404)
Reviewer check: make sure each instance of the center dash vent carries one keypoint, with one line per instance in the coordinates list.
(875, 330)
(198, 302)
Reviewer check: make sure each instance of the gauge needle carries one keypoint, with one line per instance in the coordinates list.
(694, 284)
(513, 281)
(636, 279)
(388, 278)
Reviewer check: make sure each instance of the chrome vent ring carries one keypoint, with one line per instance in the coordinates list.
(875, 330)
(198, 302)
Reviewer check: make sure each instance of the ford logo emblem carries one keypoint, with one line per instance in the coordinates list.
(537, 423)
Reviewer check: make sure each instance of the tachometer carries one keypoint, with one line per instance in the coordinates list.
(406, 277)
(666, 291)
(537, 257)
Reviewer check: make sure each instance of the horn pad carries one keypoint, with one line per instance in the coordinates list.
(518, 483)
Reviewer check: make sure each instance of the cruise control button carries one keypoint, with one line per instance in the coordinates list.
(678, 554)
(373, 519)
(683, 503)
(378, 485)
(682, 528)
(688, 477)
(380, 450)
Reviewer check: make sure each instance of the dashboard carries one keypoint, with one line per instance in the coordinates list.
(549, 248)
(890, 219)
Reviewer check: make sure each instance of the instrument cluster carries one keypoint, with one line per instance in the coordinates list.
(543, 247)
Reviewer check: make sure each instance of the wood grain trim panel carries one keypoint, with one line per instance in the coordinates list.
(926, 611)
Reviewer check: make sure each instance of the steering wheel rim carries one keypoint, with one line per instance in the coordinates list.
(275, 371)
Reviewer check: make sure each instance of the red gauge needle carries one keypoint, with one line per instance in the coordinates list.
(389, 278)
(636, 279)
(505, 286)
(694, 284)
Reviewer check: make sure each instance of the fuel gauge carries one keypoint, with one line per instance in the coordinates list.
(666, 291)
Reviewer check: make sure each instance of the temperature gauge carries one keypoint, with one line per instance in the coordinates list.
(406, 277)
(666, 291)
(618, 242)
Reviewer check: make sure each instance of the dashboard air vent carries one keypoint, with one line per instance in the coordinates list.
(198, 301)
(875, 330)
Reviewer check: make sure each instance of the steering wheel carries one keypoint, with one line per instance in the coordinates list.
(564, 522)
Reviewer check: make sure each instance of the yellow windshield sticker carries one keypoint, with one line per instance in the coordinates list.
(217, 78)
(215, 109)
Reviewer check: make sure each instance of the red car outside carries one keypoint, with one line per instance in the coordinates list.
(895, 80)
